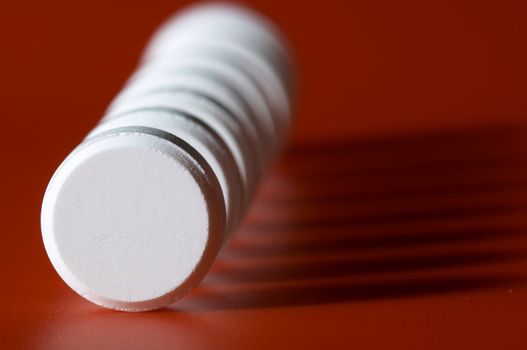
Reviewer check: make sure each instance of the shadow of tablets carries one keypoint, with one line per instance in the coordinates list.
(367, 219)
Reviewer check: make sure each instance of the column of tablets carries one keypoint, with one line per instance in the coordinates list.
(136, 214)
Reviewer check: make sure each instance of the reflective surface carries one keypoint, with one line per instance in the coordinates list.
(418, 237)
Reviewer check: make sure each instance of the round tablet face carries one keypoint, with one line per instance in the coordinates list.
(131, 221)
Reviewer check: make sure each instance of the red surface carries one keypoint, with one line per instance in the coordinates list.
(396, 220)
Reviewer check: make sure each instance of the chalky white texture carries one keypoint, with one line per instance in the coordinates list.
(120, 230)
(135, 216)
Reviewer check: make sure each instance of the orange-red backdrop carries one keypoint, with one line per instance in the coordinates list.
(408, 147)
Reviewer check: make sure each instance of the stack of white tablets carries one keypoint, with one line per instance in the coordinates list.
(135, 215)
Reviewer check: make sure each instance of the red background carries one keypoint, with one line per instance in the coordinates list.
(398, 218)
